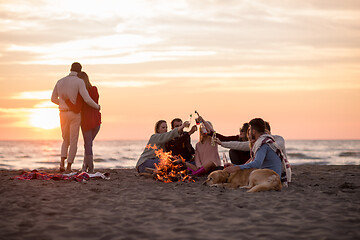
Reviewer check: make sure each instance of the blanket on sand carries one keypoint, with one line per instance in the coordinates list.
(79, 177)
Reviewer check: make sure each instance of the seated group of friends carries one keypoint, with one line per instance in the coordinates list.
(253, 147)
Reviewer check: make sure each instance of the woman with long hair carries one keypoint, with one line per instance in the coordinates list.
(206, 151)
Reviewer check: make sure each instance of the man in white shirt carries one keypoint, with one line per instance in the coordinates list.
(70, 86)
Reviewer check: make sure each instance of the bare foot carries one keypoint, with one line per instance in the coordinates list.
(62, 167)
(62, 164)
(68, 168)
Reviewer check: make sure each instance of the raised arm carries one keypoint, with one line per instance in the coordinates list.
(208, 127)
(241, 146)
(181, 128)
(226, 138)
(159, 138)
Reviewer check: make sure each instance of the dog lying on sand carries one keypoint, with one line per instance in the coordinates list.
(256, 180)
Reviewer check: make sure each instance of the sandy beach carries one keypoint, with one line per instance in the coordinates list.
(323, 202)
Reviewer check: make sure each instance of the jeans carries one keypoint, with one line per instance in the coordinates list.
(149, 163)
(89, 137)
(238, 157)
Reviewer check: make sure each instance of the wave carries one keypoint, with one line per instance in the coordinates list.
(48, 162)
(105, 160)
(128, 158)
(350, 154)
(310, 163)
(23, 156)
(289, 149)
(4, 165)
(99, 160)
(301, 156)
(122, 167)
(54, 155)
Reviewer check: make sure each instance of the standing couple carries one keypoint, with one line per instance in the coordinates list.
(78, 106)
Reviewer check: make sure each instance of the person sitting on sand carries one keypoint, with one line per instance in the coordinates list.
(238, 155)
(206, 152)
(181, 145)
(266, 153)
(148, 158)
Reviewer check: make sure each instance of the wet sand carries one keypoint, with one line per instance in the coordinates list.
(323, 202)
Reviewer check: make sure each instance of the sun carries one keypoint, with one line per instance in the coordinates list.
(44, 118)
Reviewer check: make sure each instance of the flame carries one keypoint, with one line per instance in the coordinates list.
(170, 168)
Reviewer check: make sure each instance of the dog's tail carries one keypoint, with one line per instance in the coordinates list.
(272, 183)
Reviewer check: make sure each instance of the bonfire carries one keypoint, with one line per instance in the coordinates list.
(170, 168)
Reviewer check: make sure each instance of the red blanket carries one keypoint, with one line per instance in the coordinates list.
(35, 174)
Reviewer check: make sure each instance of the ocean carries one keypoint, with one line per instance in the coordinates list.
(28, 155)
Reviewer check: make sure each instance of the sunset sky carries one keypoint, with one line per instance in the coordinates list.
(293, 63)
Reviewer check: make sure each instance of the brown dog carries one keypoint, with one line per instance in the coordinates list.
(256, 180)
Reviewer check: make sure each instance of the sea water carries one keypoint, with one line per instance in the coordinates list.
(28, 155)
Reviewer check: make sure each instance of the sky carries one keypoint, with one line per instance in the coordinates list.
(295, 64)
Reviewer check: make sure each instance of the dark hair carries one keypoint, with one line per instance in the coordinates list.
(157, 125)
(258, 124)
(267, 126)
(245, 127)
(85, 77)
(76, 67)
(175, 120)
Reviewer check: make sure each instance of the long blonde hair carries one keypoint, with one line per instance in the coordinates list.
(85, 78)
(202, 137)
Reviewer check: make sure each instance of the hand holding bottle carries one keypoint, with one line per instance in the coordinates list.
(186, 124)
(193, 129)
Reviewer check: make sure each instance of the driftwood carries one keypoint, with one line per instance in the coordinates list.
(149, 173)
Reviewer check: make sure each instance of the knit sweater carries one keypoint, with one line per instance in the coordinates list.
(158, 139)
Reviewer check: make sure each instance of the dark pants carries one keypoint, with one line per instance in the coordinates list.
(238, 157)
(149, 163)
(89, 137)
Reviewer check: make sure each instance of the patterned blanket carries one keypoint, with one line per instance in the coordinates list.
(79, 177)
